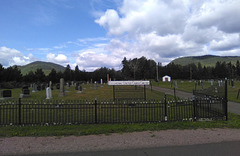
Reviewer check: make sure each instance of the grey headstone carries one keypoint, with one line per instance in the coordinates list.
(6, 94)
(62, 91)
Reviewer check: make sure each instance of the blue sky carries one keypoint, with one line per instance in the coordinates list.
(100, 33)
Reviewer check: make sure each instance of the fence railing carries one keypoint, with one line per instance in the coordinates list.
(215, 99)
(53, 112)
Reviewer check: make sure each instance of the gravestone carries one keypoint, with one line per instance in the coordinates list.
(79, 89)
(202, 84)
(220, 83)
(48, 93)
(175, 84)
(101, 82)
(58, 86)
(72, 83)
(6, 94)
(232, 83)
(34, 88)
(62, 92)
(68, 85)
(25, 93)
(50, 84)
(95, 85)
(211, 82)
(76, 85)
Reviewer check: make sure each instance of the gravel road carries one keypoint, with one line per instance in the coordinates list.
(36, 145)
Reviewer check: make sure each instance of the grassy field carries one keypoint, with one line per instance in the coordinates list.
(89, 93)
(189, 86)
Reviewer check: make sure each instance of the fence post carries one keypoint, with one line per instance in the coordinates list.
(145, 97)
(226, 100)
(194, 108)
(95, 111)
(19, 112)
(113, 92)
(165, 107)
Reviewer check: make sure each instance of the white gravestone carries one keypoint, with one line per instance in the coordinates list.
(48, 93)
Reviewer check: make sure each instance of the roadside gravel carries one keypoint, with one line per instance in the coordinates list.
(36, 145)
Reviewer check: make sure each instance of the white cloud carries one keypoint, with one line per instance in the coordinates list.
(229, 42)
(144, 16)
(60, 58)
(91, 59)
(224, 15)
(10, 57)
(163, 30)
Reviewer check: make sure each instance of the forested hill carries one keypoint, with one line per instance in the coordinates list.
(206, 60)
(45, 66)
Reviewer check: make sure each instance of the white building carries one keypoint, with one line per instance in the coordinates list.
(166, 78)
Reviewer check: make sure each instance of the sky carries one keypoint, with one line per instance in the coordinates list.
(100, 33)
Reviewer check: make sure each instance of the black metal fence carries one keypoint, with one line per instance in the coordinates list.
(216, 98)
(53, 112)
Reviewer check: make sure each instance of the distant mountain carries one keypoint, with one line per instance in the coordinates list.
(45, 66)
(206, 60)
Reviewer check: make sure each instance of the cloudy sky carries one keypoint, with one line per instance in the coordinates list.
(100, 33)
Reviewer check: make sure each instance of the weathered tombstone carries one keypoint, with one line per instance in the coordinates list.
(6, 94)
(199, 82)
(232, 83)
(62, 92)
(101, 82)
(68, 85)
(175, 84)
(79, 89)
(25, 93)
(50, 84)
(48, 93)
(34, 88)
(58, 86)
(211, 82)
(202, 84)
(72, 83)
(76, 86)
(95, 85)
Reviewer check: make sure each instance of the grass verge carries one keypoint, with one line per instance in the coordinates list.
(79, 130)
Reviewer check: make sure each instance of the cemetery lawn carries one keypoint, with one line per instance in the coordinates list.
(189, 86)
(107, 129)
(89, 93)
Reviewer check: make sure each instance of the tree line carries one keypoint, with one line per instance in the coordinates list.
(132, 69)
(221, 70)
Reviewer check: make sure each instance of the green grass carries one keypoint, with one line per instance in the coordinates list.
(189, 86)
(103, 93)
(89, 93)
(79, 130)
